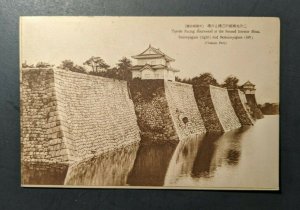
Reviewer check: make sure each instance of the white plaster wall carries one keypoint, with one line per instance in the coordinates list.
(154, 61)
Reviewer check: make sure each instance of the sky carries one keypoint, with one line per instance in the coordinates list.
(54, 39)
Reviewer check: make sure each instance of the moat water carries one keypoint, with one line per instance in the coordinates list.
(243, 158)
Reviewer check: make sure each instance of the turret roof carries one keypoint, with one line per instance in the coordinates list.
(248, 83)
(152, 52)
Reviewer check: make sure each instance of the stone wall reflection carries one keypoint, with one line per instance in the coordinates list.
(200, 156)
(147, 164)
(110, 169)
(43, 174)
(183, 158)
(151, 164)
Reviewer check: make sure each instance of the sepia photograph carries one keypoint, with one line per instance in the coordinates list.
(150, 102)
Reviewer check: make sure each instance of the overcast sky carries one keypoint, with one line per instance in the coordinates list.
(53, 39)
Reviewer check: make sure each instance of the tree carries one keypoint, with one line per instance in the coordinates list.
(78, 69)
(67, 65)
(270, 108)
(96, 63)
(43, 65)
(123, 69)
(231, 82)
(178, 79)
(205, 79)
(25, 65)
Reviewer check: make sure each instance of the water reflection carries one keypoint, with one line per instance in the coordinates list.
(151, 164)
(205, 161)
(110, 169)
(43, 174)
(209, 160)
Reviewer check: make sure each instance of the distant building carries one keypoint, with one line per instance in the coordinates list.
(153, 64)
(248, 88)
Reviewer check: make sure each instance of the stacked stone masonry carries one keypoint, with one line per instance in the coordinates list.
(207, 110)
(152, 110)
(183, 109)
(254, 110)
(216, 109)
(68, 116)
(240, 106)
(42, 139)
(224, 109)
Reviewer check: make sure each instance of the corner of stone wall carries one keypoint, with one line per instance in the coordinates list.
(256, 113)
(240, 106)
(42, 135)
(183, 108)
(206, 107)
(224, 109)
(152, 110)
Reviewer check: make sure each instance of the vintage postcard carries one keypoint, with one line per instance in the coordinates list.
(150, 102)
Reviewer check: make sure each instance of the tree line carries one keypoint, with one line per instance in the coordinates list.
(206, 79)
(98, 66)
(122, 71)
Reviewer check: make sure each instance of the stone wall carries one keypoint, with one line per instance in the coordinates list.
(207, 109)
(240, 106)
(183, 109)
(152, 110)
(166, 110)
(68, 116)
(216, 109)
(255, 111)
(224, 109)
(42, 138)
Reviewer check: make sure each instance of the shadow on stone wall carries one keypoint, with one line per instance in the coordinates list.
(206, 108)
(256, 113)
(152, 110)
(240, 106)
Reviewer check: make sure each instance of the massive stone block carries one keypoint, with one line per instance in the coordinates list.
(240, 106)
(183, 109)
(68, 116)
(215, 108)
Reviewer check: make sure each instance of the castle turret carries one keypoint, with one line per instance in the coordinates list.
(249, 89)
(153, 64)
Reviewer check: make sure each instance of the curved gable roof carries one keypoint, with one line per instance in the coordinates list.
(152, 52)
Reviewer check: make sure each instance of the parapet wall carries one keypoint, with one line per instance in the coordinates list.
(183, 109)
(216, 109)
(240, 106)
(68, 116)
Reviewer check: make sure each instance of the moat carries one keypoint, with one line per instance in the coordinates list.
(244, 157)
